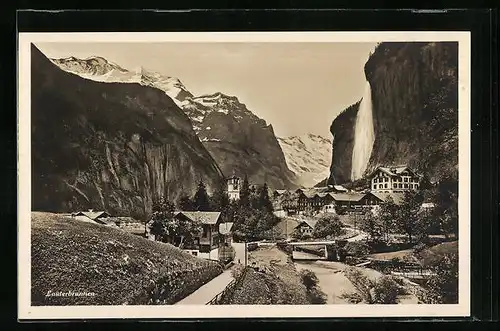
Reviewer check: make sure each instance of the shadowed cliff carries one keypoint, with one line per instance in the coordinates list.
(415, 111)
(111, 146)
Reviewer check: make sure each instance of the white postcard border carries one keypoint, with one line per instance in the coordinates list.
(26, 311)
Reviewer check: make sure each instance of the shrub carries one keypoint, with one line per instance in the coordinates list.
(327, 225)
(316, 296)
(385, 291)
(309, 278)
(357, 249)
(237, 271)
(445, 282)
(310, 281)
(354, 297)
(361, 283)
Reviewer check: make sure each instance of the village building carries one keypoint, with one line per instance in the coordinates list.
(125, 223)
(394, 179)
(336, 203)
(92, 216)
(233, 188)
(279, 193)
(306, 227)
(206, 243)
(214, 241)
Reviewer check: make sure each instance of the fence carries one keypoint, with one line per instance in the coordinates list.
(229, 290)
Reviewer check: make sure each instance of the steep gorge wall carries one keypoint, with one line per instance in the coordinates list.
(112, 146)
(415, 110)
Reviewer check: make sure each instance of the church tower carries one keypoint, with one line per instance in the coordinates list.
(233, 188)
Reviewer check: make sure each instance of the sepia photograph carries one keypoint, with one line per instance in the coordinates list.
(273, 174)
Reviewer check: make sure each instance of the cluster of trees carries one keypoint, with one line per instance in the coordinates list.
(252, 214)
(410, 219)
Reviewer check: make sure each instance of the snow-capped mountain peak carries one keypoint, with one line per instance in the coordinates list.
(308, 156)
(99, 69)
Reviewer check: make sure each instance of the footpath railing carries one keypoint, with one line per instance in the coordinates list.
(229, 290)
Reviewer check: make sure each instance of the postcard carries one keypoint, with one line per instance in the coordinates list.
(244, 174)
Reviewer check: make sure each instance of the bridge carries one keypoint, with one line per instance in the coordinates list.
(327, 250)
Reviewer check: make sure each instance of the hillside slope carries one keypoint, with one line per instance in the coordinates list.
(111, 146)
(414, 90)
(308, 156)
(117, 267)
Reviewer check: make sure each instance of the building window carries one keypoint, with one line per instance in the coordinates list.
(194, 253)
(406, 185)
(385, 186)
(406, 179)
(394, 185)
(205, 232)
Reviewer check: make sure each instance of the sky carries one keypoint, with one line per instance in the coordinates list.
(299, 88)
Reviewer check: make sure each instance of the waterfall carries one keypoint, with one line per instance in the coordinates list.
(364, 135)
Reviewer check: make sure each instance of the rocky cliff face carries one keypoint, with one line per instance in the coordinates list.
(239, 141)
(415, 111)
(109, 146)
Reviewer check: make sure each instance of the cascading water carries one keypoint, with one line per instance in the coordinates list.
(364, 135)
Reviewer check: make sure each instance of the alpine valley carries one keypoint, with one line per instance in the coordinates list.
(240, 142)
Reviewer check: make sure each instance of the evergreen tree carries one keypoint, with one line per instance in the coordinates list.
(408, 217)
(386, 217)
(185, 203)
(245, 193)
(201, 201)
(220, 200)
(264, 202)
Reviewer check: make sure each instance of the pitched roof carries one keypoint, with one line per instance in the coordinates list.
(205, 217)
(124, 220)
(397, 197)
(93, 215)
(393, 171)
(310, 222)
(280, 191)
(225, 228)
(347, 196)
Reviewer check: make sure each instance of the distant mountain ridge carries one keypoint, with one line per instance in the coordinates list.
(99, 69)
(308, 156)
(238, 140)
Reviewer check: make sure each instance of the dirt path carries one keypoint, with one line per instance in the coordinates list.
(208, 291)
